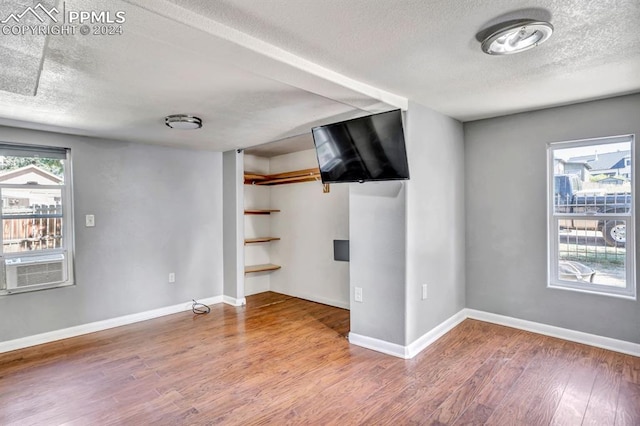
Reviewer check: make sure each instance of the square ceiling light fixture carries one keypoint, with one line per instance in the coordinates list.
(513, 37)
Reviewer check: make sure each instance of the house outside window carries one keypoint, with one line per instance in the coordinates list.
(37, 220)
(591, 216)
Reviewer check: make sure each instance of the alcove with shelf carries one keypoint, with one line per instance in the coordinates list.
(291, 220)
(259, 229)
(262, 179)
(258, 238)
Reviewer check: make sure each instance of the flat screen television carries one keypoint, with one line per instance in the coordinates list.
(370, 148)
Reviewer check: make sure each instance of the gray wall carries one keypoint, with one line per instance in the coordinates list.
(506, 217)
(158, 210)
(308, 223)
(377, 233)
(233, 220)
(435, 219)
(405, 234)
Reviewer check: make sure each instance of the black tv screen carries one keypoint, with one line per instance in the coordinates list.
(364, 149)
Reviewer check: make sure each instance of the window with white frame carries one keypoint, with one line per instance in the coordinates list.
(591, 216)
(37, 224)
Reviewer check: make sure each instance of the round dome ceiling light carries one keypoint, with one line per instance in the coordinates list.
(516, 37)
(183, 122)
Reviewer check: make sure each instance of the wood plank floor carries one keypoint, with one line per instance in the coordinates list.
(282, 360)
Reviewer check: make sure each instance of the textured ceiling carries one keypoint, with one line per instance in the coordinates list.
(426, 50)
(122, 87)
(284, 146)
(22, 56)
(262, 71)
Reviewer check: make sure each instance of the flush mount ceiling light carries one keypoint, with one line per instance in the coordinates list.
(183, 122)
(513, 37)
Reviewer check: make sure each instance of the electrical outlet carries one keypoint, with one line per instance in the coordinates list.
(89, 221)
(172, 277)
(358, 295)
(424, 291)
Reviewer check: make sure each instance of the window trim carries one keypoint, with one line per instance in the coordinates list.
(68, 232)
(630, 290)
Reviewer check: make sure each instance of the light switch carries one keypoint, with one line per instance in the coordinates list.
(89, 220)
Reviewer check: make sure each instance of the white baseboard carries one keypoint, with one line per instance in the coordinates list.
(434, 334)
(420, 344)
(379, 345)
(313, 298)
(405, 352)
(233, 301)
(324, 301)
(621, 346)
(424, 341)
(38, 339)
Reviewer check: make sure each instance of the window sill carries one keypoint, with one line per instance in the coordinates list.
(31, 290)
(594, 291)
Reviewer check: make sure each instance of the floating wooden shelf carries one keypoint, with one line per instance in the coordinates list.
(306, 175)
(261, 268)
(261, 211)
(260, 240)
(254, 176)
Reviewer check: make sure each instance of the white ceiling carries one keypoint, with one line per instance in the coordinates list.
(262, 71)
(301, 142)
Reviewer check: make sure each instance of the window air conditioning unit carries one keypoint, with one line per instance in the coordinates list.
(35, 271)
